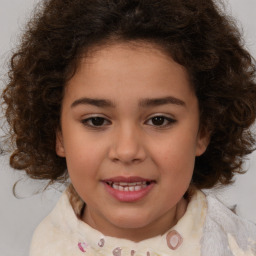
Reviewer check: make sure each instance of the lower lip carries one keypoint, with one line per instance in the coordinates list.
(128, 196)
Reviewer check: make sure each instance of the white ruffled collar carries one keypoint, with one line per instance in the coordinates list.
(182, 239)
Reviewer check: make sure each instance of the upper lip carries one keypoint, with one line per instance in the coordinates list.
(127, 179)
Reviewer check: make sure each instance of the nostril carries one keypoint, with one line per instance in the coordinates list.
(127, 151)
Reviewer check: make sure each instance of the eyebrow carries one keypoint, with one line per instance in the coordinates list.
(161, 101)
(148, 102)
(94, 102)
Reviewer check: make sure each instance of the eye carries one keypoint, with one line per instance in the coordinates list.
(161, 121)
(95, 121)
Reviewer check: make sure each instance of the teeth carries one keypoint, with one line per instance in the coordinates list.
(137, 188)
(115, 186)
(131, 188)
(128, 186)
(121, 188)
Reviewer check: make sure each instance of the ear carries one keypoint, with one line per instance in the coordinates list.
(60, 150)
(203, 140)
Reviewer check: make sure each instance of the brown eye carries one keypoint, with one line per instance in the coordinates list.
(160, 121)
(95, 121)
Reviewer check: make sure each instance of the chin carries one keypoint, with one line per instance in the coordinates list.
(133, 221)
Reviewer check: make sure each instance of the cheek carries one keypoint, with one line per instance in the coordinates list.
(176, 175)
(84, 158)
(83, 172)
(176, 159)
(177, 169)
(177, 152)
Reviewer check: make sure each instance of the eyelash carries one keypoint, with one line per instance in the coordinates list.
(103, 122)
(168, 121)
(88, 122)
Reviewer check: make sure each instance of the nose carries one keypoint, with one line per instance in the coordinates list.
(127, 146)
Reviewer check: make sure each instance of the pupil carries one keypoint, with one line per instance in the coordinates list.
(158, 120)
(97, 121)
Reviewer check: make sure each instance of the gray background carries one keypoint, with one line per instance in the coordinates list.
(19, 217)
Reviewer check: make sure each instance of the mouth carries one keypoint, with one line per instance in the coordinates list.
(128, 186)
(128, 189)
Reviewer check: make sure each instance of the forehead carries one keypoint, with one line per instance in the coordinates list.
(125, 68)
(143, 54)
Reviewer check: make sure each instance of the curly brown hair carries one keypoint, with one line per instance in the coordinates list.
(195, 33)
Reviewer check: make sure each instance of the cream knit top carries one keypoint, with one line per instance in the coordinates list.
(207, 228)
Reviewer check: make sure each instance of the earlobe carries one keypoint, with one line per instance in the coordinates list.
(60, 151)
(203, 141)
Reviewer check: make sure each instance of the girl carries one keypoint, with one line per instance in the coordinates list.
(139, 105)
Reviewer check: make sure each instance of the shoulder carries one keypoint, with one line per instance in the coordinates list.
(225, 233)
(54, 235)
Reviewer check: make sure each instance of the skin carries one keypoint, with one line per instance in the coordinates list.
(128, 141)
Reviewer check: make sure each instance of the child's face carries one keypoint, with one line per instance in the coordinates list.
(130, 121)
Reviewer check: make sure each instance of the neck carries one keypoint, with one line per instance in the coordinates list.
(159, 227)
